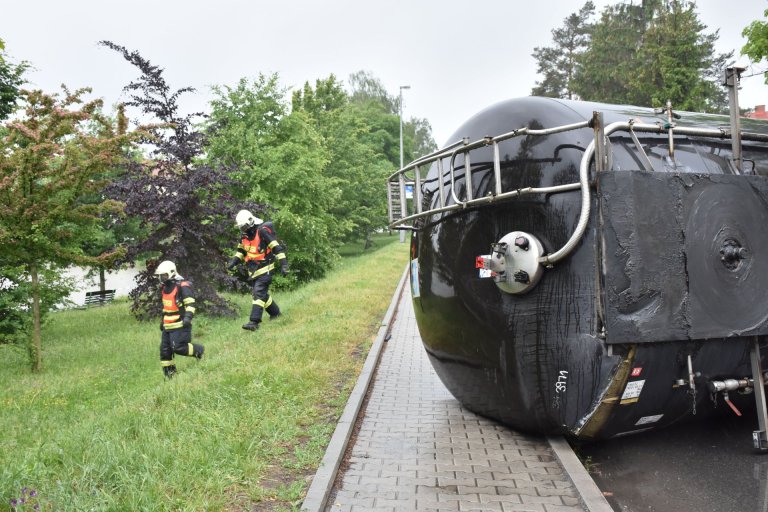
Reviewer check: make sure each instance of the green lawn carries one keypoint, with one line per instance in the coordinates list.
(100, 429)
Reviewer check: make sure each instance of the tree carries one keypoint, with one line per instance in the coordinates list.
(679, 63)
(606, 66)
(353, 166)
(558, 63)
(52, 157)
(649, 53)
(756, 47)
(184, 202)
(281, 158)
(420, 131)
(367, 88)
(11, 78)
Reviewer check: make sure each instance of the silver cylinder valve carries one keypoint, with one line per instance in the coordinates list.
(513, 263)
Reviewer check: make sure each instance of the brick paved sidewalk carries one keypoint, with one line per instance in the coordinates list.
(418, 449)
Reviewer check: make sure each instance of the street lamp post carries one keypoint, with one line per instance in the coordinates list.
(403, 206)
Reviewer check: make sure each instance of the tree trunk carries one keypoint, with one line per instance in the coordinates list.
(102, 279)
(37, 346)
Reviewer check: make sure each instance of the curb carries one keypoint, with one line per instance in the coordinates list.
(322, 483)
(590, 494)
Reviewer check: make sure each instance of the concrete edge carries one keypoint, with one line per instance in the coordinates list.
(322, 483)
(590, 494)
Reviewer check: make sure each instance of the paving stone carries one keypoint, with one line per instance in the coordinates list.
(417, 449)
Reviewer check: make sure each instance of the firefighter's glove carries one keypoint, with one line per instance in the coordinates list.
(232, 264)
(187, 321)
(284, 267)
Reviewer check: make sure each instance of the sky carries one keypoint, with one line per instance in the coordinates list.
(458, 57)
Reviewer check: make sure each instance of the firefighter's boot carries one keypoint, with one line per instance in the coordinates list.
(198, 350)
(169, 371)
(273, 311)
(251, 326)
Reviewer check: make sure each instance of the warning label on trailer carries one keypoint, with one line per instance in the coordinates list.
(632, 391)
(649, 419)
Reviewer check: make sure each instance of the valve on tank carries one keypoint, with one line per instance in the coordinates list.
(513, 263)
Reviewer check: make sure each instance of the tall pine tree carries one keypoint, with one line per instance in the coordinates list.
(649, 53)
(558, 63)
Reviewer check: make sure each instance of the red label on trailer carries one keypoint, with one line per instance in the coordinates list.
(637, 371)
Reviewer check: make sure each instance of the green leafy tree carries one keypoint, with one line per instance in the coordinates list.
(420, 132)
(281, 158)
(558, 63)
(365, 88)
(51, 158)
(11, 78)
(756, 47)
(354, 167)
(115, 229)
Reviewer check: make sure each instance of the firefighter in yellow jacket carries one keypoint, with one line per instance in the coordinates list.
(261, 252)
(178, 310)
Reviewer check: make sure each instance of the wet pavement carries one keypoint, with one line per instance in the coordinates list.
(707, 466)
(416, 448)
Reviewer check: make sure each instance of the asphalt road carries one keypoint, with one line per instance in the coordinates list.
(699, 467)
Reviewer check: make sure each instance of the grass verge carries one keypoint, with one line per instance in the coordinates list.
(243, 429)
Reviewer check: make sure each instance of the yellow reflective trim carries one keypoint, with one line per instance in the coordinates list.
(189, 300)
(272, 244)
(171, 318)
(190, 309)
(259, 302)
(190, 349)
(239, 256)
(269, 302)
(280, 256)
(175, 325)
(166, 363)
(263, 270)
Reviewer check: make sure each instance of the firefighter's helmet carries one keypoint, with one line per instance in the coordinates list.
(166, 271)
(245, 220)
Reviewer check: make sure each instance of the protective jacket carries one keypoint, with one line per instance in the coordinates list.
(178, 304)
(260, 251)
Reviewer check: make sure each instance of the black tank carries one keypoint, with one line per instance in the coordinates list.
(663, 295)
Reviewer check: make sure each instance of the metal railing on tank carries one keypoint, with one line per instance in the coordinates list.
(596, 151)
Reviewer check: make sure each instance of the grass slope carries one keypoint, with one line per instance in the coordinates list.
(100, 429)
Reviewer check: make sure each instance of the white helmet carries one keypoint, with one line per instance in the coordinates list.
(167, 271)
(246, 220)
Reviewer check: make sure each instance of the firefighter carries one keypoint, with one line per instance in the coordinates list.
(261, 252)
(176, 325)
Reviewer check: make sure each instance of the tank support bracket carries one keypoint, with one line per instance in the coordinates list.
(759, 439)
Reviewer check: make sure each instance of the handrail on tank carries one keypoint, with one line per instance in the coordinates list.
(465, 146)
(581, 226)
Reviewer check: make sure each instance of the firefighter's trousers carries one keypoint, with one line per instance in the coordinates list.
(177, 341)
(262, 300)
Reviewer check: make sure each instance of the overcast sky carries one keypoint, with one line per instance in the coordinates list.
(458, 56)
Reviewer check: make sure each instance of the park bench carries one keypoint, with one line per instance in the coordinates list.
(99, 297)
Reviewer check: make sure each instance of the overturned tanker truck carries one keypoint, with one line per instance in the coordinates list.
(593, 270)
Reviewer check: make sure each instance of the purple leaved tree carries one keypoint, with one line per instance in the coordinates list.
(184, 203)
